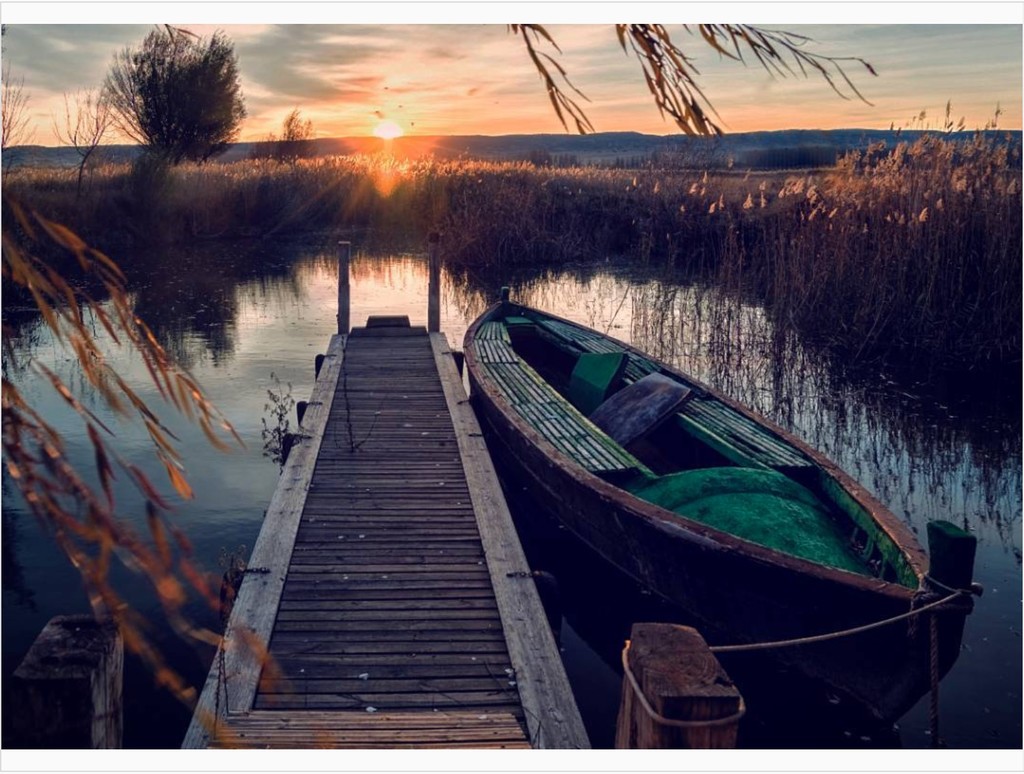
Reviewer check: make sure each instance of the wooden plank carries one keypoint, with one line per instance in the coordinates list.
(552, 718)
(428, 603)
(411, 619)
(373, 683)
(295, 593)
(384, 638)
(362, 730)
(248, 630)
(414, 700)
(407, 664)
(394, 572)
(368, 669)
(296, 644)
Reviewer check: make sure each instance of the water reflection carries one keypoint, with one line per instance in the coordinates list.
(11, 571)
(235, 314)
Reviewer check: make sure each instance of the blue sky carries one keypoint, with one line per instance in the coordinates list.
(451, 78)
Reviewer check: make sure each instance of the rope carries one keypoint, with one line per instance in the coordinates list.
(930, 581)
(661, 719)
(933, 716)
(912, 614)
(832, 635)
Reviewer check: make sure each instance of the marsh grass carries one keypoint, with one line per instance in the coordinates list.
(912, 250)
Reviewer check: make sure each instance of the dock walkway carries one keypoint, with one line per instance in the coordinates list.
(387, 601)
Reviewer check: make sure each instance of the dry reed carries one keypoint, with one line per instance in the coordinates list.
(914, 249)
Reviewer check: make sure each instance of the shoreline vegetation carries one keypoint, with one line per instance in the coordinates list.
(909, 251)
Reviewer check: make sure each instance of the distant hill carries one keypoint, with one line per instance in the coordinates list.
(786, 148)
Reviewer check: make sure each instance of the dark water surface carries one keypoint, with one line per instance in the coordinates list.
(247, 320)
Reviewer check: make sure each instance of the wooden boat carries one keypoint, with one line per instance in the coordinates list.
(758, 536)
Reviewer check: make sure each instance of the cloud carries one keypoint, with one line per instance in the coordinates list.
(55, 58)
(455, 78)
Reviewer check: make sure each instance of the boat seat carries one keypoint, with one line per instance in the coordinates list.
(594, 378)
(739, 439)
(736, 436)
(583, 340)
(762, 506)
(492, 330)
(554, 418)
(639, 408)
(520, 327)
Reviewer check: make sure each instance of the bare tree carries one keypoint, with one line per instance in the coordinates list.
(14, 108)
(87, 119)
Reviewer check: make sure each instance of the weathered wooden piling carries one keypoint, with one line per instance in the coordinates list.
(344, 291)
(675, 694)
(951, 554)
(434, 283)
(67, 692)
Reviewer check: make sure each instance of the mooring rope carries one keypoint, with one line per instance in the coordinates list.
(933, 715)
(834, 635)
(933, 631)
(664, 721)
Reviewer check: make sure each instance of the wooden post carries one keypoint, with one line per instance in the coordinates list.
(318, 363)
(66, 693)
(344, 256)
(300, 410)
(951, 567)
(434, 283)
(951, 554)
(683, 682)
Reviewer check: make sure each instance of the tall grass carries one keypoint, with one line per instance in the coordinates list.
(917, 248)
(914, 249)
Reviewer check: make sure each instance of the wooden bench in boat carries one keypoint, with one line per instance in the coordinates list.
(732, 434)
(550, 414)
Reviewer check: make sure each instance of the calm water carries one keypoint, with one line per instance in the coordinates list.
(245, 322)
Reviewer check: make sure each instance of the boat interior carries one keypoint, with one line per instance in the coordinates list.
(669, 442)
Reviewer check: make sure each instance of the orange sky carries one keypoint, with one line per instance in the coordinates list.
(478, 79)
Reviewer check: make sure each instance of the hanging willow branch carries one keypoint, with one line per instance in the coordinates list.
(560, 101)
(82, 517)
(671, 75)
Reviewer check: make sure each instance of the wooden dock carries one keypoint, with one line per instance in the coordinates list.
(387, 602)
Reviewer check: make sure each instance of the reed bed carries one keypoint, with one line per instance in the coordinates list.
(914, 249)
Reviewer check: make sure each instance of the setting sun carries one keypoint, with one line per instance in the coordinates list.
(388, 130)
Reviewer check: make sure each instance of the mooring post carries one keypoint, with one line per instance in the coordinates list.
(300, 410)
(344, 256)
(434, 283)
(675, 694)
(951, 553)
(67, 691)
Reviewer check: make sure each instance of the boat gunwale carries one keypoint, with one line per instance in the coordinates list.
(671, 522)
